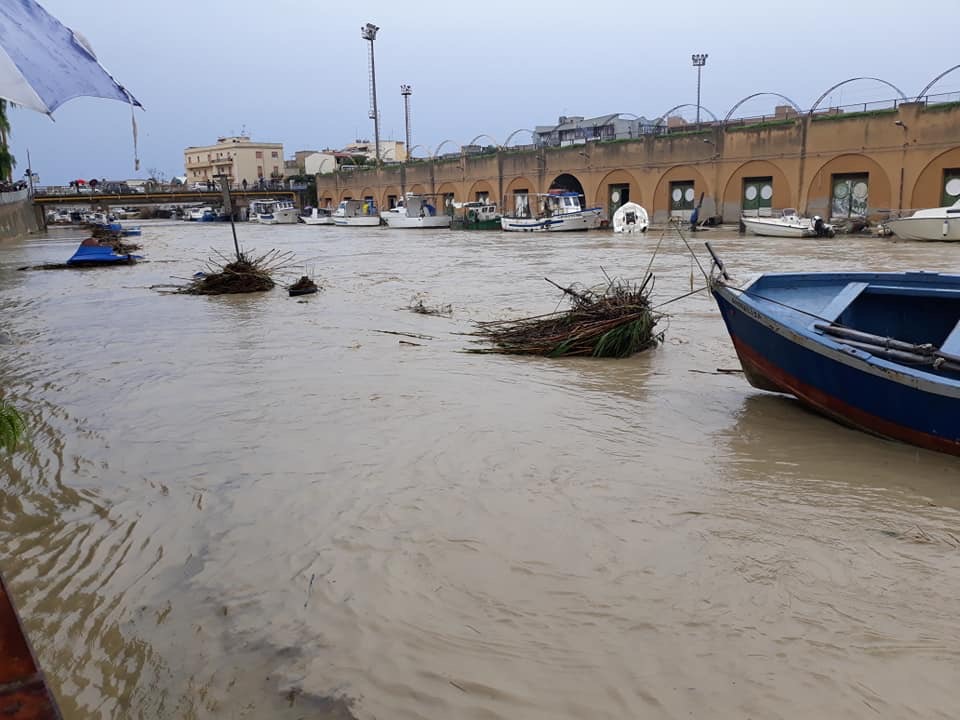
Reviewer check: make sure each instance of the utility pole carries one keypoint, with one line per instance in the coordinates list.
(698, 62)
(406, 91)
(369, 32)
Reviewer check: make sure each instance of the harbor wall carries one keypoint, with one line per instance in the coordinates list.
(903, 156)
(18, 216)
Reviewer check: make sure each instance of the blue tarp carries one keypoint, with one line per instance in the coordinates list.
(100, 255)
(44, 63)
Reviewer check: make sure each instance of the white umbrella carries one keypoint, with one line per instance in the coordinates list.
(43, 63)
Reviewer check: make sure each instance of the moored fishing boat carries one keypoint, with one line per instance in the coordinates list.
(789, 225)
(356, 213)
(273, 212)
(558, 211)
(942, 223)
(877, 351)
(316, 216)
(629, 218)
(477, 215)
(415, 212)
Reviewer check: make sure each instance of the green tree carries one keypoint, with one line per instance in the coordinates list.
(11, 427)
(7, 160)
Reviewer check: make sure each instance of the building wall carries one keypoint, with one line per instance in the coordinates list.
(234, 156)
(904, 162)
(18, 218)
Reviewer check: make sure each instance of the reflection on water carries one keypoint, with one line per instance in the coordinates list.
(258, 507)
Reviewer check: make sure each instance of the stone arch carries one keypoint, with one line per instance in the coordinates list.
(417, 188)
(481, 186)
(350, 193)
(616, 177)
(659, 209)
(927, 191)
(731, 202)
(819, 190)
(367, 192)
(507, 206)
(443, 189)
(384, 201)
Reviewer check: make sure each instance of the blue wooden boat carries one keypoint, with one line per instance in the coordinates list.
(876, 351)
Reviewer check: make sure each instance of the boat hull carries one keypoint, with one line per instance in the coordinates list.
(582, 220)
(280, 217)
(840, 384)
(774, 229)
(358, 221)
(930, 229)
(396, 220)
(317, 221)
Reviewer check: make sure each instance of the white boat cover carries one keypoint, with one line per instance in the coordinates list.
(43, 63)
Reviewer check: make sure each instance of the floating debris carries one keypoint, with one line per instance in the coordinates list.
(303, 286)
(614, 321)
(244, 274)
(419, 307)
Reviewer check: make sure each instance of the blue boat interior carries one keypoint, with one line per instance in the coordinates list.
(916, 308)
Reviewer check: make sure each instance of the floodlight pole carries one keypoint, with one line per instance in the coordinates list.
(699, 61)
(369, 32)
(406, 91)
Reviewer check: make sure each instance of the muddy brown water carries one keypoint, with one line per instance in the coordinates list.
(250, 507)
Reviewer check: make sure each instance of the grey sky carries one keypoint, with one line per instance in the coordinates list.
(296, 71)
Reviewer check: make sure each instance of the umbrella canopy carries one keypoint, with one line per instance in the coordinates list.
(44, 63)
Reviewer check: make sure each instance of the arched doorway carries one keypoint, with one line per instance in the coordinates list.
(679, 192)
(446, 196)
(617, 188)
(757, 187)
(518, 196)
(938, 184)
(848, 187)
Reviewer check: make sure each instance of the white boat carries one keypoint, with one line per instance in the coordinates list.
(273, 212)
(630, 218)
(477, 215)
(356, 213)
(942, 223)
(558, 211)
(789, 225)
(415, 211)
(197, 214)
(316, 216)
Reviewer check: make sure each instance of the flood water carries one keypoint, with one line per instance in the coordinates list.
(254, 507)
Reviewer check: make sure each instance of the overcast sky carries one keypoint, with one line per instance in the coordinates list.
(296, 71)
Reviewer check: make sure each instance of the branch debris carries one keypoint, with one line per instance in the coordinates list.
(614, 320)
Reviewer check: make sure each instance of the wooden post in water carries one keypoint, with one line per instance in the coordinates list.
(228, 207)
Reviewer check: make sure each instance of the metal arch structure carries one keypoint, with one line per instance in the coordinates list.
(855, 79)
(935, 81)
(506, 142)
(683, 105)
(410, 151)
(488, 137)
(434, 155)
(727, 117)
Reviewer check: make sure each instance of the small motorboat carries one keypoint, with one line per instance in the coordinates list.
(356, 213)
(942, 223)
(93, 254)
(789, 224)
(415, 211)
(477, 215)
(316, 216)
(876, 351)
(630, 218)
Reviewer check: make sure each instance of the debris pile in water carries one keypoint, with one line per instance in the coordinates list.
(243, 274)
(613, 321)
(303, 286)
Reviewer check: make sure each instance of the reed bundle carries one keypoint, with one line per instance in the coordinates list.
(612, 321)
(242, 274)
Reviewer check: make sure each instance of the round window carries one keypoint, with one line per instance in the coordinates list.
(677, 195)
(688, 195)
(953, 187)
(841, 190)
(751, 192)
(860, 190)
(615, 196)
(766, 192)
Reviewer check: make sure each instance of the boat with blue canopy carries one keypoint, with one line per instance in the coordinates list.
(876, 351)
(96, 255)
